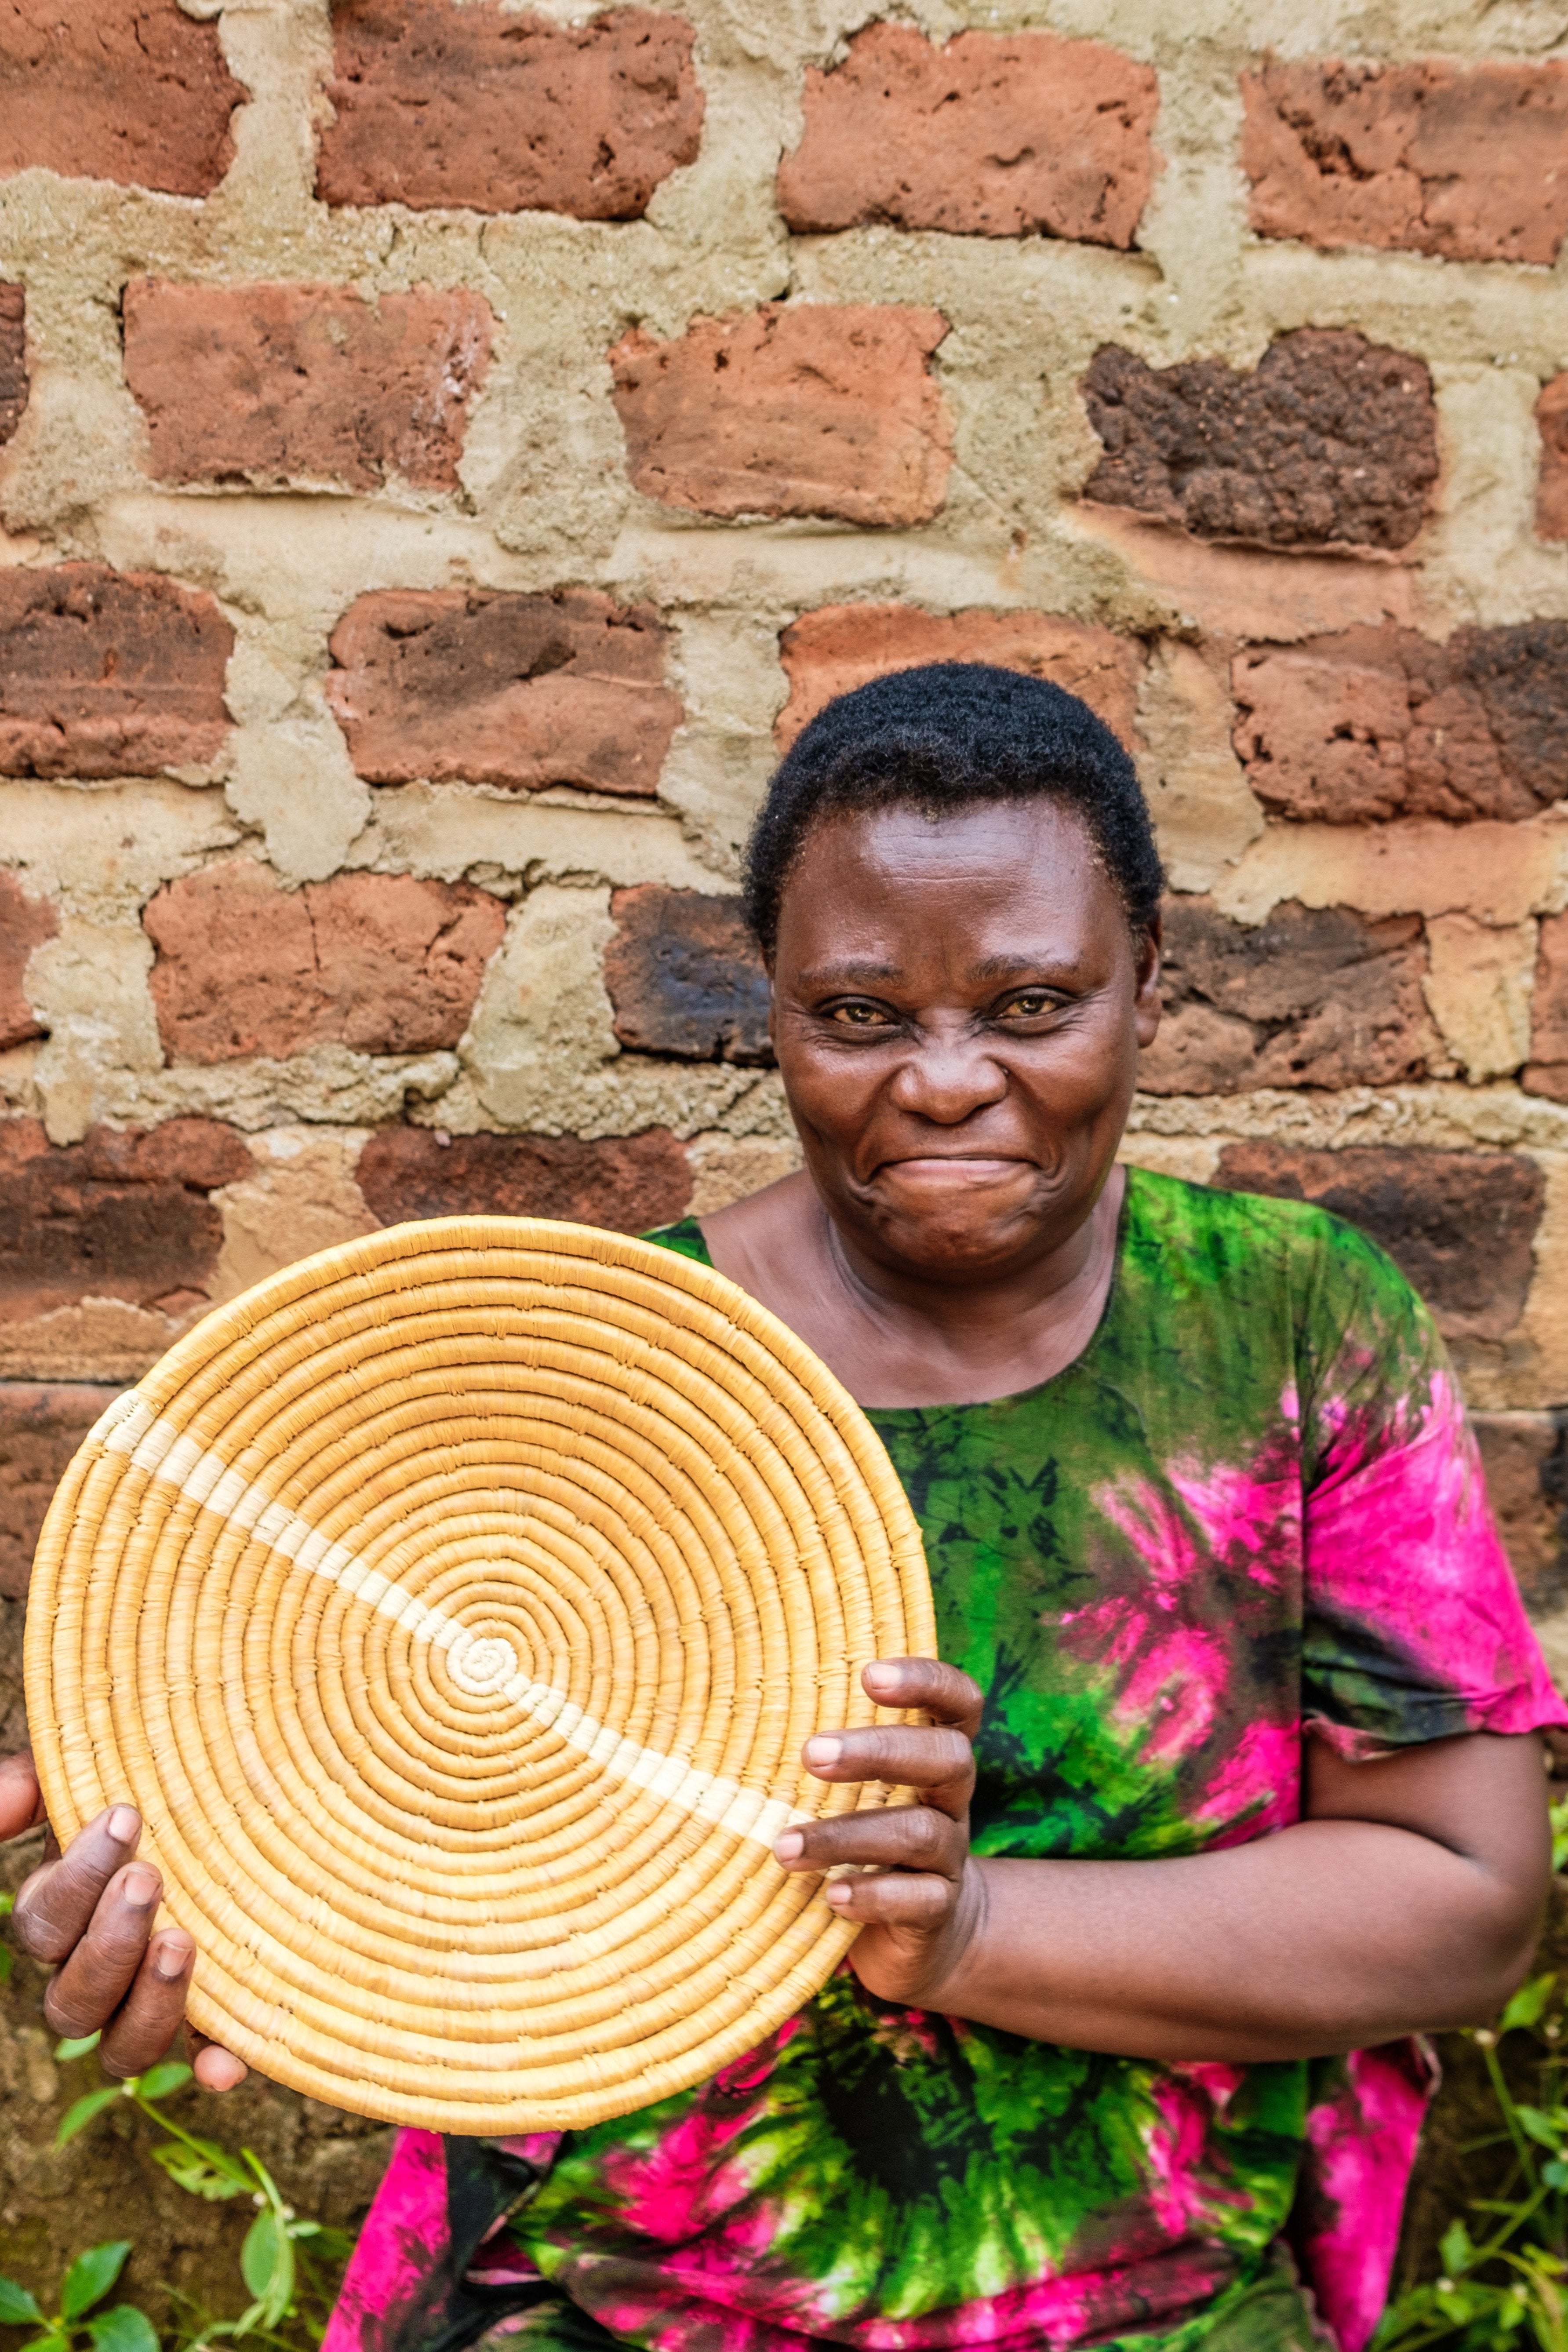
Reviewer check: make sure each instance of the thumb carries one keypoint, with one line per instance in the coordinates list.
(21, 1805)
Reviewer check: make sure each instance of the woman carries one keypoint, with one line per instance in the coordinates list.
(1232, 1768)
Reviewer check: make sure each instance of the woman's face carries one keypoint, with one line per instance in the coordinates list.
(958, 1007)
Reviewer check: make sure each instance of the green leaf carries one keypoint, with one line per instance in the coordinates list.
(81, 2113)
(7, 1905)
(77, 2049)
(160, 2081)
(267, 2265)
(1540, 2128)
(258, 2255)
(7, 1962)
(16, 2305)
(195, 2175)
(1527, 2004)
(123, 2329)
(91, 2275)
(1456, 2251)
(1556, 2174)
(54, 2342)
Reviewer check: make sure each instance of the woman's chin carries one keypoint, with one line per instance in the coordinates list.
(961, 1231)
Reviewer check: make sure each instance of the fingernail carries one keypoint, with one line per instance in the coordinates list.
(824, 1751)
(139, 1888)
(840, 1895)
(790, 1847)
(123, 1823)
(172, 1960)
(885, 1678)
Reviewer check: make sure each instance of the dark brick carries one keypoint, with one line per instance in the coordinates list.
(1460, 1223)
(42, 1423)
(1331, 441)
(685, 977)
(623, 1182)
(123, 1214)
(504, 112)
(1312, 997)
(132, 90)
(108, 673)
(12, 359)
(1381, 722)
(1525, 1455)
(25, 924)
(523, 691)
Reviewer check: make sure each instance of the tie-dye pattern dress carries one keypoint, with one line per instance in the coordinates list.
(1250, 1511)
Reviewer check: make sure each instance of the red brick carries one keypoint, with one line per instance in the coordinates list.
(379, 961)
(1331, 441)
(1551, 491)
(1374, 723)
(1470, 161)
(132, 90)
(996, 134)
(1525, 1456)
(685, 977)
(1547, 1072)
(24, 923)
(439, 105)
(523, 691)
(794, 409)
(108, 673)
(302, 382)
(840, 647)
(123, 1214)
(1460, 1223)
(12, 359)
(1313, 997)
(42, 1423)
(625, 1182)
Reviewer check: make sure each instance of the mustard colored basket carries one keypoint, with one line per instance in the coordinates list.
(454, 1606)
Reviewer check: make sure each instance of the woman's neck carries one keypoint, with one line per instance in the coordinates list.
(895, 1340)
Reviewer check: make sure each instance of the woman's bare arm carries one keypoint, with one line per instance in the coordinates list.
(1409, 1899)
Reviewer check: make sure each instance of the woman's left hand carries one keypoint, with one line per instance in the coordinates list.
(923, 1902)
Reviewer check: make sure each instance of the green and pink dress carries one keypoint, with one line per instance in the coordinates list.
(1250, 1513)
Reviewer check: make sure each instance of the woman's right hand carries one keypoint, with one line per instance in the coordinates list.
(88, 1914)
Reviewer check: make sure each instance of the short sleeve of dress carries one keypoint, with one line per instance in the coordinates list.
(1413, 1628)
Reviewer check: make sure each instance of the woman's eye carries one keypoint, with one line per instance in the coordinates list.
(1028, 1004)
(860, 1016)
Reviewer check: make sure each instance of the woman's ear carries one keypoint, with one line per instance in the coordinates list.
(1146, 1005)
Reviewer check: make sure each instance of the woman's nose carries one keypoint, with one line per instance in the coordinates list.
(947, 1079)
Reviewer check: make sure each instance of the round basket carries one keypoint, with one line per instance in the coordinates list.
(454, 1606)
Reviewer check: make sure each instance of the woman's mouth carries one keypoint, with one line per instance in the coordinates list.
(953, 1167)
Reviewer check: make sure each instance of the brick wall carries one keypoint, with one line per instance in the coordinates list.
(444, 452)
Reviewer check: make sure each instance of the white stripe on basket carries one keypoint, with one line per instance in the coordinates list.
(483, 1666)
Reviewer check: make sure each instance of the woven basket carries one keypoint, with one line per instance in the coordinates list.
(454, 1606)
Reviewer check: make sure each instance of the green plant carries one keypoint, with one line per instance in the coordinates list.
(1504, 2281)
(122, 2328)
(289, 2264)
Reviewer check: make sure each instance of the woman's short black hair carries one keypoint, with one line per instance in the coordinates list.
(943, 737)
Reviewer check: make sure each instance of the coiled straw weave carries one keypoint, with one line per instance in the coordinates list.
(454, 1606)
